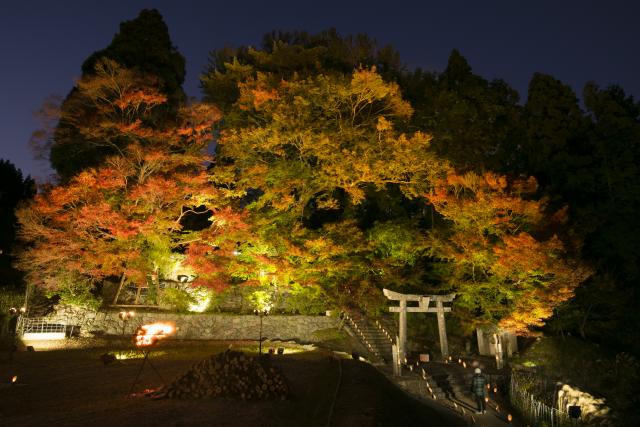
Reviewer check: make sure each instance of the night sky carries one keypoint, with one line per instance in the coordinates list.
(43, 43)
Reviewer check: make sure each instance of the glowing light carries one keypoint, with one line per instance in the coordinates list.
(14, 379)
(509, 418)
(495, 389)
(200, 306)
(126, 315)
(132, 354)
(486, 399)
(464, 364)
(148, 335)
(23, 310)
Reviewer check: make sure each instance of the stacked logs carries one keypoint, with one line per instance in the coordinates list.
(229, 374)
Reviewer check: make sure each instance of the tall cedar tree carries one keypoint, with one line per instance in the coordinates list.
(14, 190)
(143, 45)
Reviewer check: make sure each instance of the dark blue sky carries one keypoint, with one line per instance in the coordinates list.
(43, 43)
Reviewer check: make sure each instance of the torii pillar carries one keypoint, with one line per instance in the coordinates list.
(440, 309)
(423, 307)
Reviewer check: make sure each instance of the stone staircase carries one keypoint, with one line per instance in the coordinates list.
(443, 380)
(440, 383)
(374, 334)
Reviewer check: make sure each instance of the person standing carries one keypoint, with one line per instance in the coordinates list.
(479, 390)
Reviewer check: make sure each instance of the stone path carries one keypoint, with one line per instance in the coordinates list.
(446, 385)
(442, 386)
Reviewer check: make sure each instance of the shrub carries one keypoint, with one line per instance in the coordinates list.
(177, 299)
(75, 289)
(306, 299)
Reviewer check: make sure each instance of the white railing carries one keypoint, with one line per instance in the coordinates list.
(40, 328)
(536, 412)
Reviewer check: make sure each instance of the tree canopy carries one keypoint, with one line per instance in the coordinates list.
(143, 48)
(337, 168)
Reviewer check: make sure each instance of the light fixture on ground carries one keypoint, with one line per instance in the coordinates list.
(261, 313)
(125, 316)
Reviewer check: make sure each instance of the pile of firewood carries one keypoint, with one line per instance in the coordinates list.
(229, 374)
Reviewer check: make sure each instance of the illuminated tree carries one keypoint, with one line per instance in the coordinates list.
(288, 54)
(309, 151)
(501, 272)
(126, 217)
(143, 47)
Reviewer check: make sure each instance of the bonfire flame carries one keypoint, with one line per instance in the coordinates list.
(148, 335)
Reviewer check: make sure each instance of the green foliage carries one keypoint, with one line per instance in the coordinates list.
(397, 241)
(261, 299)
(177, 299)
(354, 174)
(285, 55)
(144, 44)
(331, 334)
(309, 300)
(10, 298)
(75, 289)
(143, 47)
(475, 123)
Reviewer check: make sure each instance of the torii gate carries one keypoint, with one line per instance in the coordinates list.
(423, 307)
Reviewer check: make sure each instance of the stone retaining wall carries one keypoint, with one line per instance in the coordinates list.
(198, 326)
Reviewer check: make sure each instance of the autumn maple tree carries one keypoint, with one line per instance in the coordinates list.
(126, 216)
(318, 182)
(308, 151)
(506, 267)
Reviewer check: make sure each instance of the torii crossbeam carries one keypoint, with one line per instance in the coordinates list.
(423, 307)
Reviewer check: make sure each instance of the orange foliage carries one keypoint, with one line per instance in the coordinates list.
(500, 268)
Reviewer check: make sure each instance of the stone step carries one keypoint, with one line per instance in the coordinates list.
(420, 388)
(374, 334)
